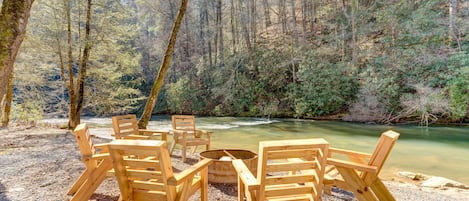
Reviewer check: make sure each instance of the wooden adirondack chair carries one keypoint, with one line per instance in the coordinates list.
(185, 134)
(287, 170)
(144, 172)
(97, 165)
(359, 176)
(126, 127)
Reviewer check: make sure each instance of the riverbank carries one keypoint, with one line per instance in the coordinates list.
(42, 164)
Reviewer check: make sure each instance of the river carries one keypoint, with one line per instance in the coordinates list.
(441, 151)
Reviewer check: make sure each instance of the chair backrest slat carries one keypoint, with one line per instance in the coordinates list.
(382, 150)
(293, 168)
(85, 143)
(183, 122)
(125, 125)
(142, 168)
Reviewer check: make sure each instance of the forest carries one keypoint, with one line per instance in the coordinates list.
(376, 61)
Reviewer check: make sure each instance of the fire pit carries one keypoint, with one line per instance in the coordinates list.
(221, 170)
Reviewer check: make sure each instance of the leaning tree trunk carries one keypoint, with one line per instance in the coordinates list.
(151, 101)
(13, 20)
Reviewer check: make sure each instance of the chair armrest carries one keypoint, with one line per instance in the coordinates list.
(136, 137)
(352, 165)
(199, 133)
(245, 174)
(177, 131)
(103, 148)
(100, 156)
(349, 153)
(151, 132)
(194, 169)
(147, 132)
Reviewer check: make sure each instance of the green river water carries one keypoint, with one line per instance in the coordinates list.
(441, 151)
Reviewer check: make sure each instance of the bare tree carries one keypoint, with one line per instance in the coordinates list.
(151, 101)
(13, 20)
(75, 85)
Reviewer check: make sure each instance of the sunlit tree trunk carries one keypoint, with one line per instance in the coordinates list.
(151, 101)
(75, 87)
(83, 67)
(8, 101)
(14, 17)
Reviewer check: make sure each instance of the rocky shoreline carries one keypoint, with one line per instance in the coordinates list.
(42, 164)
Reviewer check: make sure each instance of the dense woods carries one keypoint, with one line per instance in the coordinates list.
(379, 61)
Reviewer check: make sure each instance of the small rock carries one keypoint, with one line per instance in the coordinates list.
(413, 176)
(440, 182)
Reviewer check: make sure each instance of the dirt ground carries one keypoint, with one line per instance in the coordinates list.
(42, 164)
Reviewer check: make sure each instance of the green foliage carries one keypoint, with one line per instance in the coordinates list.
(29, 111)
(323, 88)
(404, 66)
(459, 87)
(179, 94)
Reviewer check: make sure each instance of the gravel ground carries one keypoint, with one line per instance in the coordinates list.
(42, 163)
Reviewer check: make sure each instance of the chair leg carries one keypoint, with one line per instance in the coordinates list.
(183, 153)
(357, 185)
(194, 148)
(96, 177)
(381, 191)
(184, 192)
(82, 179)
(328, 189)
(173, 145)
(204, 187)
(240, 190)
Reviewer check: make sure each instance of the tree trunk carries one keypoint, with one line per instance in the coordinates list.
(151, 102)
(244, 22)
(453, 32)
(354, 32)
(234, 28)
(83, 67)
(304, 11)
(8, 100)
(267, 21)
(220, 32)
(13, 20)
(202, 31)
(282, 15)
(295, 30)
(253, 20)
(312, 15)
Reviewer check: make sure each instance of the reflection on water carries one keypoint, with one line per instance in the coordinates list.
(442, 151)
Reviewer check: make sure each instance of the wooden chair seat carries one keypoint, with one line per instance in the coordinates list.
(359, 174)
